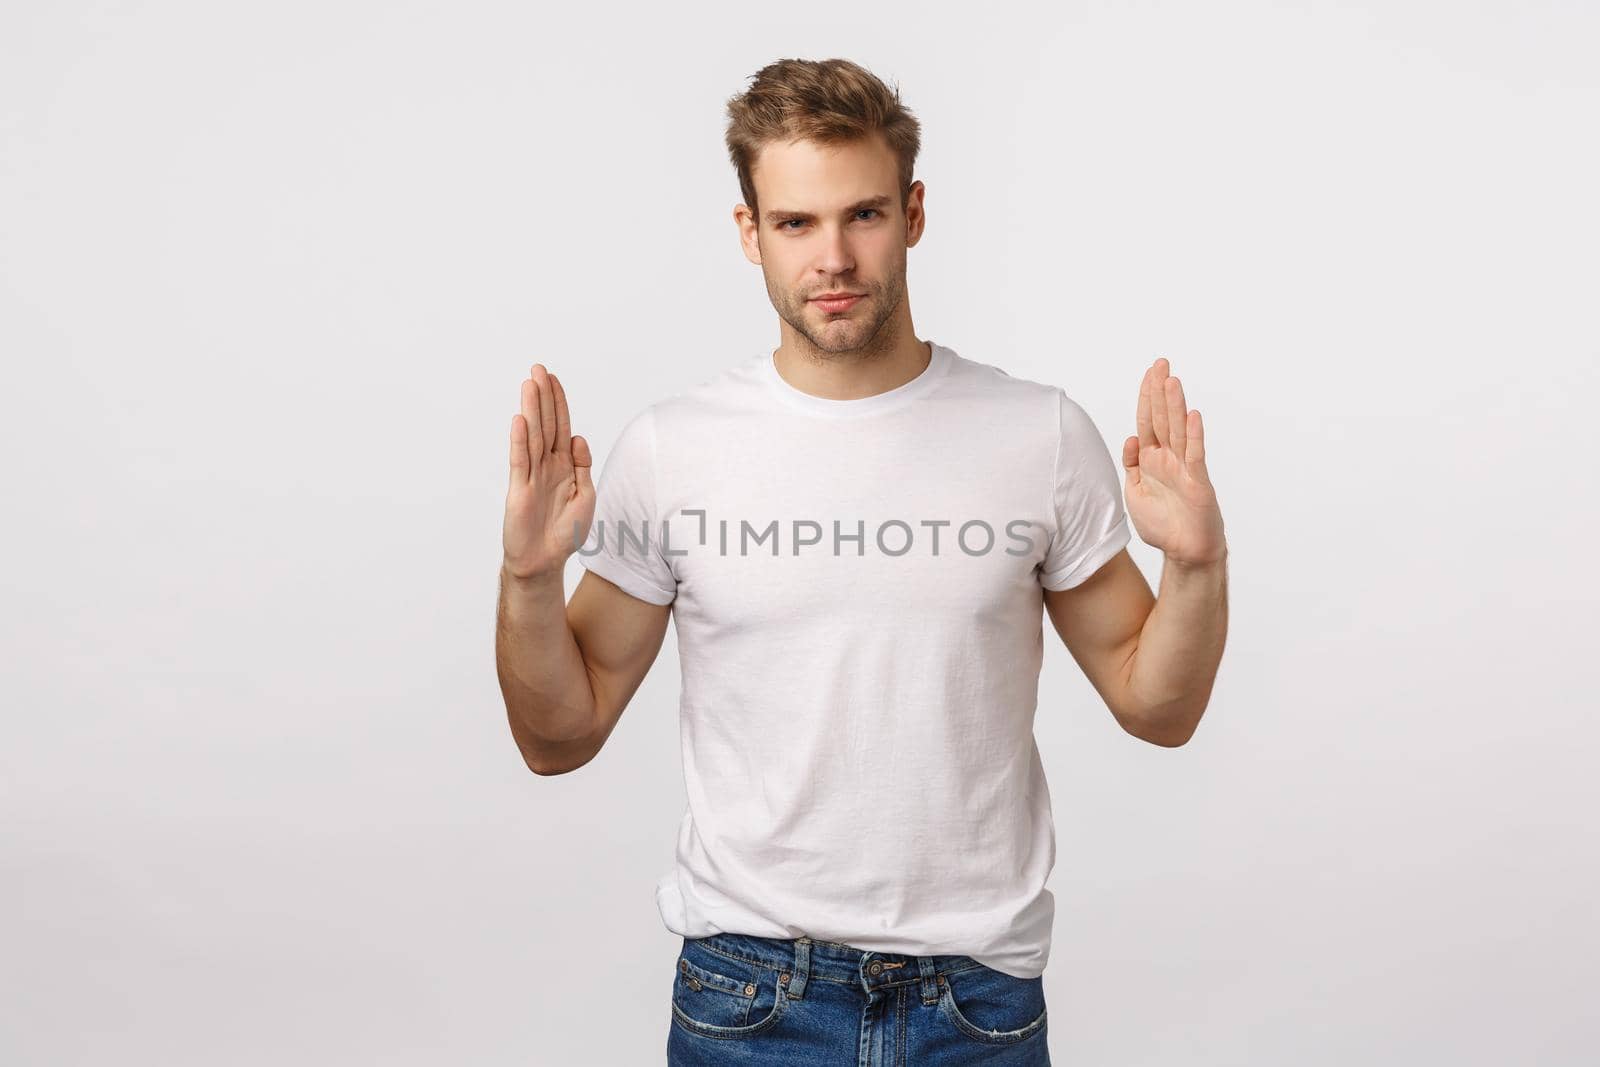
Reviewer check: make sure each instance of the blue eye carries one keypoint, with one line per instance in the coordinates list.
(786, 223)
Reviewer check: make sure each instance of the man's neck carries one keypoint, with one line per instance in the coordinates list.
(852, 376)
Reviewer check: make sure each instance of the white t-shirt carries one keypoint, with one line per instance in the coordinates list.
(857, 587)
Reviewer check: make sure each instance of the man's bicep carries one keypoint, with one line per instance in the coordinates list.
(1099, 621)
(619, 636)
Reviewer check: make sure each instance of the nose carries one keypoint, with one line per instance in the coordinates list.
(835, 257)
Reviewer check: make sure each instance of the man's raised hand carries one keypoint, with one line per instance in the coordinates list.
(550, 502)
(1171, 501)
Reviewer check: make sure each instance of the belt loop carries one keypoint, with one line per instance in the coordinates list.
(795, 989)
(930, 988)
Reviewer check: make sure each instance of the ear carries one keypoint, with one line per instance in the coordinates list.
(916, 219)
(749, 233)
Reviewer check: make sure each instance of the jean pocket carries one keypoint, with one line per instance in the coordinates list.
(993, 1007)
(718, 996)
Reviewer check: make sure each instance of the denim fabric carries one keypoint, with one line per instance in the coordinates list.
(739, 999)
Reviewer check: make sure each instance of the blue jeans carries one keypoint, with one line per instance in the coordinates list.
(739, 999)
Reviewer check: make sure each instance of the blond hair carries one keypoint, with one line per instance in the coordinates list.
(827, 101)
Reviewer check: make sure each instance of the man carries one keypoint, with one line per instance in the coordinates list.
(855, 533)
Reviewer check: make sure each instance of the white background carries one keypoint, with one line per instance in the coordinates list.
(270, 276)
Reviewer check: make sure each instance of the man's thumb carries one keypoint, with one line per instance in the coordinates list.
(582, 461)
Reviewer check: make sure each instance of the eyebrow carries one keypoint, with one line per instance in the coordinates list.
(879, 201)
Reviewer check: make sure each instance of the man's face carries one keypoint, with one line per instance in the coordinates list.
(831, 222)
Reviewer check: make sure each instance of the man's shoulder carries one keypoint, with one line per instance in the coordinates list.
(685, 421)
(723, 390)
(1008, 398)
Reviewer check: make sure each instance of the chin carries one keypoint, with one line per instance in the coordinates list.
(839, 342)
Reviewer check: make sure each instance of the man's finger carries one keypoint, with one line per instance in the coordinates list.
(582, 462)
(1177, 415)
(1141, 417)
(547, 406)
(530, 412)
(1197, 445)
(1158, 403)
(563, 418)
(521, 466)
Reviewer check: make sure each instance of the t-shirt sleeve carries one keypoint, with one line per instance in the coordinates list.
(1091, 524)
(624, 543)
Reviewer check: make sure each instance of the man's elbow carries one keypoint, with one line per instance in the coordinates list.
(548, 758)
(545, 767)
(1169, 739)
(1168, 727)
(549, 764)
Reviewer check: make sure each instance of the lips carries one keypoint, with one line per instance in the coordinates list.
(838, 302)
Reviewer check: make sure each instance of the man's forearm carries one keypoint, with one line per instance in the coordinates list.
(1179, 650)
(542, 674)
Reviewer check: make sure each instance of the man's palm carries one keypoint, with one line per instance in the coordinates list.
(550, 501)
(1171, 501)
